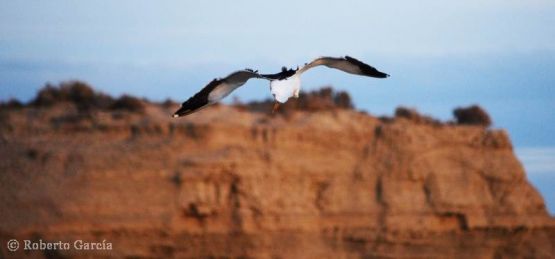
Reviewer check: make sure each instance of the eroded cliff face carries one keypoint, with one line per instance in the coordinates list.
(228, 183)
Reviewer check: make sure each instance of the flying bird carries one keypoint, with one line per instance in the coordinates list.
(283, 85)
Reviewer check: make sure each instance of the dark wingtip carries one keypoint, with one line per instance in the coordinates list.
(182, 111)
(366, 69)
(377, 74)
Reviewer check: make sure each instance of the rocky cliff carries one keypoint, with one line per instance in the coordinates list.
(229, 183)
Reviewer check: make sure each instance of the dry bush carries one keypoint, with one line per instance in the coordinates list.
(47, 96)
(323, 99)
(414, 115)
(11, 104)
(407, 113)
(169, 103)
(343, 100)
(79, 93)
(472, 115)
(85, 98)
(128, 103)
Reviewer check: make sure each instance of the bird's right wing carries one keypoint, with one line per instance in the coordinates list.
(345, 64)
(216, 90)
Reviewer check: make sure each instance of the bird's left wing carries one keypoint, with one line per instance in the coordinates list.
(216, 90)
(346, 64)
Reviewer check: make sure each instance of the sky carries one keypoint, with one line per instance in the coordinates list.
(440, 55)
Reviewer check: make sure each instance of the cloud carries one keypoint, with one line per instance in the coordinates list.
(537, 159)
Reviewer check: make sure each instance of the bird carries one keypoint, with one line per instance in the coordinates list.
(283, 85)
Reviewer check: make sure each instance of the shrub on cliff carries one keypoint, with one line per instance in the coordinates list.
(343, 100)
(413, 115)
(85, 98)
(11, 104)
(76, 92)
(472, 115)
(128, 103)
(318, 100)
(169, 103)
(47, 96)
(407, 113)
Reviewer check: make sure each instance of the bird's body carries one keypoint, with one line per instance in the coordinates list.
(283, 85)
(283, 89)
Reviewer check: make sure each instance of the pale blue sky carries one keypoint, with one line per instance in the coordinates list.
(441, 54)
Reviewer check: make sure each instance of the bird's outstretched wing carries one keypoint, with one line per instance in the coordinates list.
(215, 91)
(346, 64)
(284, 74)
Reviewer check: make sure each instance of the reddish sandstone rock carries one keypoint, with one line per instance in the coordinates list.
(230, 183)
